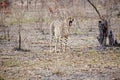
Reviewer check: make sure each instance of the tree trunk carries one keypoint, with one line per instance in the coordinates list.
(8, 34)
(27, 4)
(105, 24)
(19, 42)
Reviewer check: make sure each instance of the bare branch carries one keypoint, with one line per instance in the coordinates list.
(95, 9)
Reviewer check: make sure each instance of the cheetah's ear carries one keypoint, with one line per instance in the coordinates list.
(72, 20)
(69, 18)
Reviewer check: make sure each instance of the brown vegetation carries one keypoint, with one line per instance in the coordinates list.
(25, 35)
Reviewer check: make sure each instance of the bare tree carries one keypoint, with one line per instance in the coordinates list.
(18, 13)
(4, 12)
(105, 20)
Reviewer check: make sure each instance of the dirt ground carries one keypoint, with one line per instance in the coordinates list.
(84, 59)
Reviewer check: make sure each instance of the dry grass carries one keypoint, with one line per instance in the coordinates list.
(59, 64)
(22, 65)
(11, 63)
(1, 78)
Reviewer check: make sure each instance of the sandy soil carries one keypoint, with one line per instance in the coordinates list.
(84, 60)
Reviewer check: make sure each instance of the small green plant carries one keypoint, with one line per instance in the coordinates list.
(1, 0)
(3, 38)
(11, 63)
(58, 73)
(76, 32)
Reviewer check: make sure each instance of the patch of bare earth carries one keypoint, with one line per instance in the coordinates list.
(83, 60)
